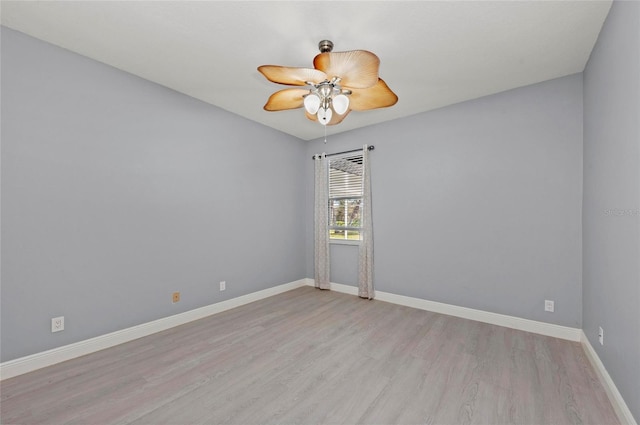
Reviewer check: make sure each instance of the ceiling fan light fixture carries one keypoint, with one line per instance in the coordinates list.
(324, 115)
(340, 104)
(312, 103)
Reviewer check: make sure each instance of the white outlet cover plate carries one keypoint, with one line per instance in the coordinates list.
(57, 324)
(549, 306)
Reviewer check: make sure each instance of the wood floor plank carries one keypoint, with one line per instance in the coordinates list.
(310, 356)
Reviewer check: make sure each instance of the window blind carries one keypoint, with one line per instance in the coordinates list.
(345, 177)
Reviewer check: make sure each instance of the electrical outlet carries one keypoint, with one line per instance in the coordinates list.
(601, 335)
(57, 324)
(549, 306)
(223, 285)
(175, 297)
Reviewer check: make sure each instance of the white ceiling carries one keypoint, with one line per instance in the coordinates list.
(433, 53)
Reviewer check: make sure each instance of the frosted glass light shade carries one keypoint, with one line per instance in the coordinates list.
(340, 104)
(324, 115)
(312, 103)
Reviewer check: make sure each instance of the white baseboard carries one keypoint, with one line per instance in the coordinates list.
(618, 403)
(548, 329)
(30, 363)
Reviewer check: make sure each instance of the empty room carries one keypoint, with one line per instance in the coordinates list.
(320, 212)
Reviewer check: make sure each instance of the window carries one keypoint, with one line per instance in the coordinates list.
(345, 197)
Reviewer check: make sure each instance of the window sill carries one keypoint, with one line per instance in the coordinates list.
(344, 242)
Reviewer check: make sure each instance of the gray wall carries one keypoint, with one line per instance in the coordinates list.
(117, 192)
(611, 212)
(477, 204)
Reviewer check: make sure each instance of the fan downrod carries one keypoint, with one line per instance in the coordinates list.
(325, 46)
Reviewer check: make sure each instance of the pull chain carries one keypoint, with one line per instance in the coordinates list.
(325, 134)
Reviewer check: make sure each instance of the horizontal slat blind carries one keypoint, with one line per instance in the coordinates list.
(345, 177)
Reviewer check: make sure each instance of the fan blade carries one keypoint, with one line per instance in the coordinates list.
(357, 68)
(286, 99)
(335, 118)
(311, 117)
(378, 96)
(291, 76)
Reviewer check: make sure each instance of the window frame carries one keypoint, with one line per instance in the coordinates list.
(343, 241)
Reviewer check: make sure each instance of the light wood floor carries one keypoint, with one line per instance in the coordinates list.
(314, 357)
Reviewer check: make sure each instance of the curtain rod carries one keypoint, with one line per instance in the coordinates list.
(369, 148)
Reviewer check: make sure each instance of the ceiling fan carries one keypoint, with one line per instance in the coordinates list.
(338, 83)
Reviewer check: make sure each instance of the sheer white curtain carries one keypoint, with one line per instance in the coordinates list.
(321, 222)
(365, 254)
